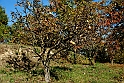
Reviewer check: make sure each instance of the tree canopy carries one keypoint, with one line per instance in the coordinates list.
(4, 29)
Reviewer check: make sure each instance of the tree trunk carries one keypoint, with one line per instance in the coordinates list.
(112, 62)
(75, 56)
(91, 62)
(90, 59)
(47, 72)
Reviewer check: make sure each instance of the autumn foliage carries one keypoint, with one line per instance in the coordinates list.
(93, 28)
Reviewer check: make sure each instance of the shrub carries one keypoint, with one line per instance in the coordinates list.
(119, 57)
(21, 60)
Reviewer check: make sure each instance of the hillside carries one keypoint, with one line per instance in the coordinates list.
(61, 72)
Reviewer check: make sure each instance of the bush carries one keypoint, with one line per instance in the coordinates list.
(79, 59)
(119, 57)
(21, 60)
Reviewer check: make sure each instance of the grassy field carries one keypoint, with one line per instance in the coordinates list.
(67, 73)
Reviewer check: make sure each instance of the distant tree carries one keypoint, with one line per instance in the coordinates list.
(4, 29)
(3, 16)
(112, 26)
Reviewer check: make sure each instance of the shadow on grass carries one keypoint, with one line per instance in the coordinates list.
(62, 68)
(55, 72)
(37, 72)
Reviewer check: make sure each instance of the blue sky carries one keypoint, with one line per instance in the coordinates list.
(9, 6)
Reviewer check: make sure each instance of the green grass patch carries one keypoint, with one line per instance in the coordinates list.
(99, 73)
(66, 73)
